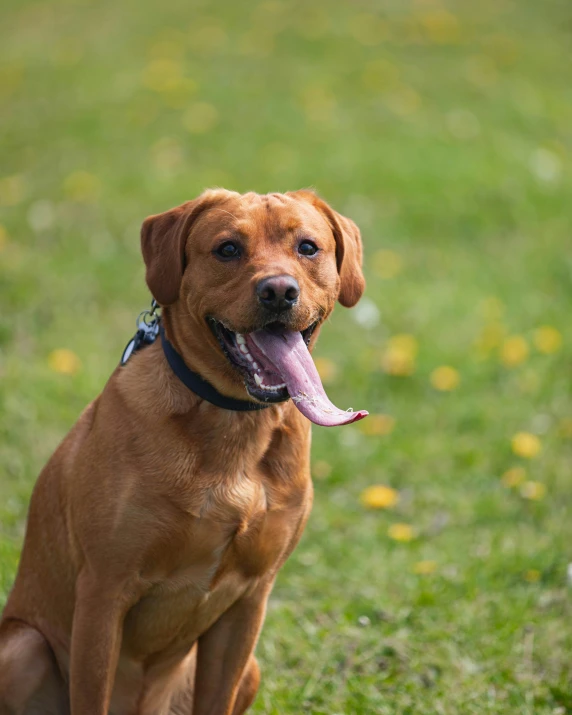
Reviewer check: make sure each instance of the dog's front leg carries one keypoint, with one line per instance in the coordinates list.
(96, 641)
(224, 651)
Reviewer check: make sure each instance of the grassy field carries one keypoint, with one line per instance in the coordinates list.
(445, 132)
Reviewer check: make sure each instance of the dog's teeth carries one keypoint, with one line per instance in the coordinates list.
(249, 357)
(255, 365)
(257, 380)
(240, 339)
(243, 348)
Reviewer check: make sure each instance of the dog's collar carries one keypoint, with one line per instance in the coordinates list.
(199, 385)
(149, 326)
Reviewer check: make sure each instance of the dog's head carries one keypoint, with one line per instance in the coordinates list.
(241, 276)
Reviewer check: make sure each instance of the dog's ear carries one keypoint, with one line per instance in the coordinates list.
(349, 259)
(348, 249)
(163, 240)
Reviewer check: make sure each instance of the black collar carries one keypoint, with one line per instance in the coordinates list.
(199, 385)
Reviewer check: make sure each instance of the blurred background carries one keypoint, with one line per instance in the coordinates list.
(433, 574)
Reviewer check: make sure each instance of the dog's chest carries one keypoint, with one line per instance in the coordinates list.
(206, 568)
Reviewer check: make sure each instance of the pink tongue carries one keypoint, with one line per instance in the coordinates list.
(288, 353)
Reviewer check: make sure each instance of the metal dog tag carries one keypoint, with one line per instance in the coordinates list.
(131, 347)
(147, 331)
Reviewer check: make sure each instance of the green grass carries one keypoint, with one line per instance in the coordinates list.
(448, 141)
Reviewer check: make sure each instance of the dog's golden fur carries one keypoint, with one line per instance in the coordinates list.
(157, 528)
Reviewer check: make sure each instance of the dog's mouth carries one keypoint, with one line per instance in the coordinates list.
(276, 365)
(261, 378)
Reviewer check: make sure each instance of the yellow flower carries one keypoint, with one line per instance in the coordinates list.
(318, 103)
(3, 237)
(82, 186)
(379, 74)
(64, 361)
(424, 568)
(401, 532)
(526, 445)
(178, 95)
(532, 576)
(377, 425)
(514, 351)
(399, 356)
(10, 79)
(490, 338)
(445, 378)
(379, 496)
(565, 427)
(513, 477)
(321, 469)
(441, 27)
(405, 342)
(327, 369)
(163, 75)
(547, 339)
(12, 190)
(387, 264)
(533, 490)
(200, 118)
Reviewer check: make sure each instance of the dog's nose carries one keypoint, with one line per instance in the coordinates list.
(278, 293)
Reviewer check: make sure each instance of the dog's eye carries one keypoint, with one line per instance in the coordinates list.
(307, 248)
(228, 250)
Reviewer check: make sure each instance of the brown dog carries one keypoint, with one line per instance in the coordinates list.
(157, 528)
